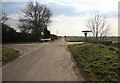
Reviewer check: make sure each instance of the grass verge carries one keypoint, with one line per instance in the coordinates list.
(8, 55)
(98, 63)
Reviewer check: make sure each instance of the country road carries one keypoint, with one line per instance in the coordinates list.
(42, 62)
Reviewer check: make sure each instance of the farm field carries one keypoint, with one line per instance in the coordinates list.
(96, 62)
(81, 39)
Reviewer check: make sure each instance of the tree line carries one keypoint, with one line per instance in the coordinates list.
(10, 35)
(33, 25)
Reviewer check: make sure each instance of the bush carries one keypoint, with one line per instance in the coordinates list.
(53, 37)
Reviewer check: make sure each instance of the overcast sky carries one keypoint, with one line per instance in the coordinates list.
(69, 16)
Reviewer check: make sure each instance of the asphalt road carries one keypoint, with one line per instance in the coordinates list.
(42, 62)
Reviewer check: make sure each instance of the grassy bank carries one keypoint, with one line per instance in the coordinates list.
(8, 54)
(98, 63)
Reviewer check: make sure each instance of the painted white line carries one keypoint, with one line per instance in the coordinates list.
(4, 66)
(22, 55)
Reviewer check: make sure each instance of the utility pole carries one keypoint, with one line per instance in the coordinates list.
(57, 32)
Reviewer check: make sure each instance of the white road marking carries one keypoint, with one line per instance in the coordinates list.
(22, 55)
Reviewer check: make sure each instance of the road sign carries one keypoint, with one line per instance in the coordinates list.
(85, 33)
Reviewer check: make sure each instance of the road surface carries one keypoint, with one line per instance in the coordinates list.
(42, 62)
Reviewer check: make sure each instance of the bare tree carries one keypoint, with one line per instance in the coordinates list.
(99, 26)
(3, 17)
(36, 18)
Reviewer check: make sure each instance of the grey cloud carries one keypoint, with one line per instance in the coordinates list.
(12, 7)
(112, 14)
(68, 10)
